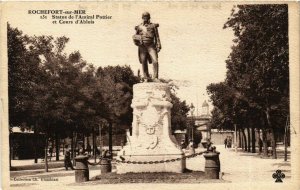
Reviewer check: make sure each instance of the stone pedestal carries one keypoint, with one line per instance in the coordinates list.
(82, 169)
(212, 165)
(151, 138)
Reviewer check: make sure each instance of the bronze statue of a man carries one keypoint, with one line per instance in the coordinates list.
(147, 39)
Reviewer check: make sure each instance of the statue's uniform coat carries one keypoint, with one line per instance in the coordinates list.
(150, 43)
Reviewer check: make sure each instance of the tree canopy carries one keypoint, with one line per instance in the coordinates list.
(59, 93)
(256, 88)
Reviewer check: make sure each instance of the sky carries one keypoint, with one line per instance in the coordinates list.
(194, 43)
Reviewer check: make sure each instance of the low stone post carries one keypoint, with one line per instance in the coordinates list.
(105, 165)
(82, 169)
(212, 164)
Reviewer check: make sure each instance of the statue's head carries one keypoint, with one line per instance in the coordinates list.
(146, 16)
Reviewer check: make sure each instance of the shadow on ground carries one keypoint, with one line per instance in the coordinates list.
(280, 154)
(57, 164)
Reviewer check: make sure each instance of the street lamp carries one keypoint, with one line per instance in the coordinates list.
(192, 108)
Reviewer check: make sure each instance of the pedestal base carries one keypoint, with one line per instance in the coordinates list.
(151, 138)
(177, 166)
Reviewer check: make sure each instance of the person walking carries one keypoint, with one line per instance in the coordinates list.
(89, 148)
(225, 142)
(67, 161)
(50, 152)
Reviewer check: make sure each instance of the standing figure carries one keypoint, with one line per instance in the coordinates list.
(191, 148)
(229, 142)
(209, 143)
(260, 145)
(147, 39)
(225, 142)
(182, 144)
(89, 148)
(68, 162)
(50, 151)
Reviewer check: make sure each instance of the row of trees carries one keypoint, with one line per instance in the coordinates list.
(255, 93)
(62, 95)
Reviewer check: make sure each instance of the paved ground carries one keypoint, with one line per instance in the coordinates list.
(246, 167)
(235, 167)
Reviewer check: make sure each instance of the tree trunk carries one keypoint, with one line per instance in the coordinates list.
(245, 139)
(46, 155)
(273, 141)
(72, 148)
(100, 137)
(88, 140)
(35, 142)
(253, 139)
(57, 146)
(240, 140)
(76, 144)
(273, 144)
(94, 143)
(10, 150)
(248, 139)
(265, 145)
(75, 147)
(285, 139)
(64, 143)
(110, 139)
(83, 142)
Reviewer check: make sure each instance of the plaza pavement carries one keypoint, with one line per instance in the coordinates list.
(240, 167)
(246, 167)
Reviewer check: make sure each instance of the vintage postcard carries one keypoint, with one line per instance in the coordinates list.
(149, 95)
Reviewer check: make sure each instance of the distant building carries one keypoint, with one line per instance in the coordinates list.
(24, 144)
(202, 122)
(218, 136)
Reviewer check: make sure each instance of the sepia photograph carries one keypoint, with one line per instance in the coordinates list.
(143, 95)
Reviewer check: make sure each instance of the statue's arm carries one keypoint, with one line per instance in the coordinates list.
(158, 44)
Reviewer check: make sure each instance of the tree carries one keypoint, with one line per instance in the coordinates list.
(57, 87)
(180, 109)
(23, 75)
(256, 88)
(179, 113)
(260, 68)
(49, 89)
(231, 108)
(116, 88)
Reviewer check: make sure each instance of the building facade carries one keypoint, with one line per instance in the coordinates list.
(201, 123)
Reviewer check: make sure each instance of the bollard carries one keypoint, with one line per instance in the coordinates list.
(82, 169)
(105, 165)
(212, 165)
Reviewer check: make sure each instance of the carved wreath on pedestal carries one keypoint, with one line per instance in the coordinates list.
(150, 129)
